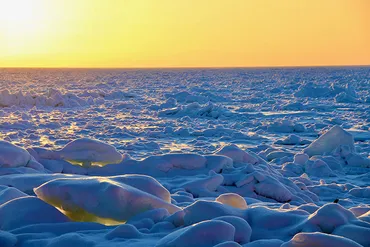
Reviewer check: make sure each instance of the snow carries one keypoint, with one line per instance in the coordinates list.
(329, 141)
(226, 157)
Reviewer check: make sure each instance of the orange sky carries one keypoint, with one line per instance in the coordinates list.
(183, 33)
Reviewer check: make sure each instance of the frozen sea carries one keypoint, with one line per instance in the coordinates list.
(185, 157)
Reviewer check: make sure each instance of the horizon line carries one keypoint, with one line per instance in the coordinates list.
(194, 67)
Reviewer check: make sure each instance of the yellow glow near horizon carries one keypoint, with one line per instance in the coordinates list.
(191, 33)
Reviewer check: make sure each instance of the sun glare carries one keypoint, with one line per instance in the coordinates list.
(20, 20)
(17, 11)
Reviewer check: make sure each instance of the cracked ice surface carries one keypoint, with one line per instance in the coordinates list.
(197, 157)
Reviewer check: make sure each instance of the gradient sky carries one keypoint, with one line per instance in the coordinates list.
(183, 33)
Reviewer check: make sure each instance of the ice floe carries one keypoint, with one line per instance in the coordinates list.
(187, 158)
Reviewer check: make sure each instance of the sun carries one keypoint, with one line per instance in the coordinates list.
(21, 20)
(17, 11)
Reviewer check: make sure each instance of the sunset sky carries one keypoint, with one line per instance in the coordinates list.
(183, 33)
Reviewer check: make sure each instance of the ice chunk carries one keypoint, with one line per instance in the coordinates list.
(329, 141)
(9, 193)
(357, 160)
(318, 168)
(27, 182)
(268, 223)
(218, 162)
(204, 187)
(124, 231)
(365, 217)
(344, 97)
(12, 155)
(300, 158)
(272, 188)
(237, 155)
(7, 239)
(292, 168)
(156, 215)
(318, 239)
(100, 199)
(26, 211)
(203, 234)
(228, 244)
(330, 216)
(194, 109)
(89, 151)
(313, 90)
(233, 200)
(360, 192)
(51, 98)
(71, 239)
(179, 161)
(278, 155)
(348, 96)
(168, 165)
(243, 231)
(357, 233)
(360, 210)
(359, 135)
(144, 183)
(292, 140)
(286, 126)
(265, 243)
(55, 166)
(205, 210)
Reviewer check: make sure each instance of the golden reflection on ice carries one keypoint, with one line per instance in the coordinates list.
(177, 146)
(44, 141)
(71, 130)
(2, 136)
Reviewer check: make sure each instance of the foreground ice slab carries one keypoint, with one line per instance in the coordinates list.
(101, 199)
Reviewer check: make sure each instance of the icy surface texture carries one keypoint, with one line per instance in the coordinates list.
(198, 157)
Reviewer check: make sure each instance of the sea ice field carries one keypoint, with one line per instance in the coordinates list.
(263, 157)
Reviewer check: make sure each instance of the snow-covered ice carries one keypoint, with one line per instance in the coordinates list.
(185, 157)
